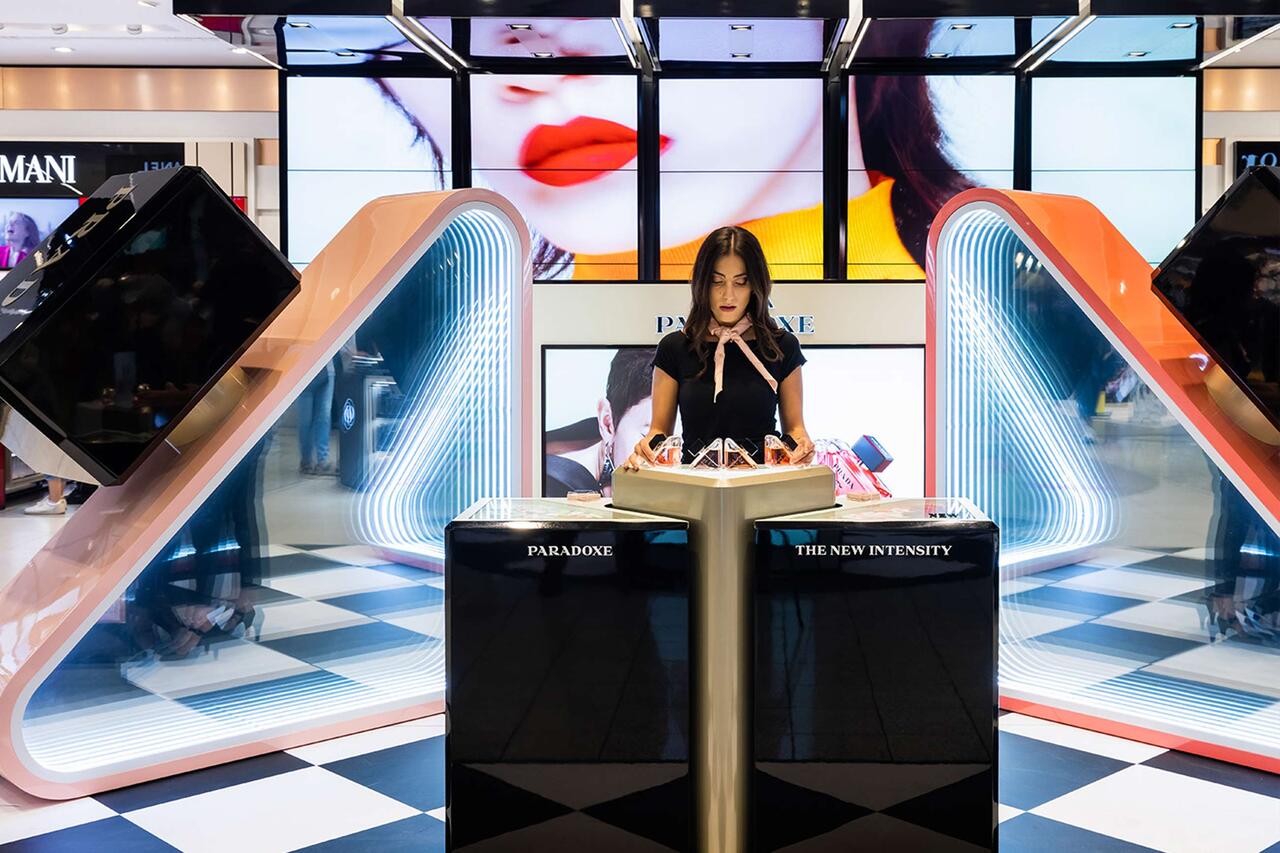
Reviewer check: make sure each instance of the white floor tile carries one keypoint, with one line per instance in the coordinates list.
(1016, 585)
(439, 814)
(1112, 557)
(404, 672)
(327, 583)
(429, 622)
(1133, 583)
(1035, 665)
(1081, 739)
(274, 550)
(1170, 812)
(1006, 812)
(225, 664)
(302, 616)
(1018, 623)
(1168, 618)
(1236, 665)
(38, 818)
(275, 814)
(351, 555)
(363, 743)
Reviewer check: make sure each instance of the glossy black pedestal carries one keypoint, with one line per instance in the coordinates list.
(875, 682)
(567, 679)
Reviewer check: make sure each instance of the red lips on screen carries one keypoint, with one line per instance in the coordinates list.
(578, 151)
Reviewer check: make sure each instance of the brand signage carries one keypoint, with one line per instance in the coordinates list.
(570, 550)
(1249, 154)
(861, 550)
(75, 169)
(796, 324)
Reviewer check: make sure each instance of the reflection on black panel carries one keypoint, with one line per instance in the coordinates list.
(131, 310)
(1223, 282)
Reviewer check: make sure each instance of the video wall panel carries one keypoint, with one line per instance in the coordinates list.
(902, 170)
(1127, 144)
(742, 152)
(563, 148)
(353, 139)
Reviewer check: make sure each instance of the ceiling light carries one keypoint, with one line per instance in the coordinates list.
(239, 50)
(962, 26)
(519, 26)
(939, 55)
(740, 55)
(344, 53)
(150, 4)
(62, 50)
(1137, 53)
(740, 27)
(542, 54)
(59, 29)
(300, 25)
(134, 29)
(1182, 25)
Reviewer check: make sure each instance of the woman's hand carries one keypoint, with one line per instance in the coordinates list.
(803, 454)
(642, 457)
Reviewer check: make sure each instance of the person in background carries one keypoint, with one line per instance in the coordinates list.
(53, 503)
(21, 236)
(315, 406)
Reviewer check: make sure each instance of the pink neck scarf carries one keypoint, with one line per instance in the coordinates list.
(723, 336)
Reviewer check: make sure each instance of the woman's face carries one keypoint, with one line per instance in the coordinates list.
(18, 232)
(730, 292)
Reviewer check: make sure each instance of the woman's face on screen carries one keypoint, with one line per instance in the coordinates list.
(563, 147)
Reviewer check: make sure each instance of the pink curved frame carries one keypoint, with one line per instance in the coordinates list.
(1111, 281)
(51, 603)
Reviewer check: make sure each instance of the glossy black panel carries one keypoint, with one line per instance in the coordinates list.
(567, 683)
(875, 660)
(131, 310)
(1220, 282)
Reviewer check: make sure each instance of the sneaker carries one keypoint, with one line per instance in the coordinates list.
(323, 469)
(44, 506)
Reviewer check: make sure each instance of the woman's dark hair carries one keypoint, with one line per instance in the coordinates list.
(630, 380)
(723, 242)
(900, 134)
(897, 125)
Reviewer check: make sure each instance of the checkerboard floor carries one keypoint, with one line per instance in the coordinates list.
(1061, 789)
(1130, 629)
(331, 623)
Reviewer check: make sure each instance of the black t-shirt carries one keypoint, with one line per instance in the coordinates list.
(747, 405)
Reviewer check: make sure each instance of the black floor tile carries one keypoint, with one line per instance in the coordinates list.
(199, 782)
(484, 806)
(1070, 601)
(1061, 573)
(412, 773)
(1244, 778)
(419, 834)
(787, 813)
(1028, 833)
(1033, 772)
(961, 810)
(1138, 646)
(112, 835)
(661, 814)
(321, 647)
(395, 600)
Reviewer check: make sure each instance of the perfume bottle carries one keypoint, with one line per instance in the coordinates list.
(777, 450)
(735, 456)
(669, 451)
(711, 456)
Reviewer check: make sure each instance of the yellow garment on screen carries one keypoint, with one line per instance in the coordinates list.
(793, 244)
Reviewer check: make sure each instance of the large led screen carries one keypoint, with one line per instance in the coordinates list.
(744, 152)
(1126, 144)
(563, 148)
(25, 222)
(596, 405)
(901, 171)
(351, 140)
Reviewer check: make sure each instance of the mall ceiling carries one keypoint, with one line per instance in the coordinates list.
(243, 33)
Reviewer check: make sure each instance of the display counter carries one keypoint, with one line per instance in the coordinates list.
(731, 648)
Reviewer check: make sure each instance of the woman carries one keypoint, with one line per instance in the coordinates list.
(731, 367)
(21, 236)
(746, 151)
